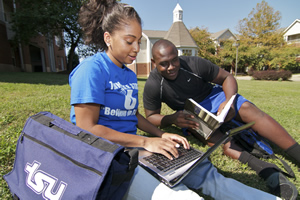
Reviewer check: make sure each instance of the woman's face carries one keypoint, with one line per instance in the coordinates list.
(124, 44)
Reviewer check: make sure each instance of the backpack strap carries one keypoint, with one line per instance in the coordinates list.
(260, 153)
(133, 153)
(256, 145)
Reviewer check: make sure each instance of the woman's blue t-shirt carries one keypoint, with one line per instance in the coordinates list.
(98, 80)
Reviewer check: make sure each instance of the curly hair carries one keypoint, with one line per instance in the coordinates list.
(99, 16)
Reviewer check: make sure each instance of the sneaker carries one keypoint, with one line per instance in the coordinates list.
(282, 187)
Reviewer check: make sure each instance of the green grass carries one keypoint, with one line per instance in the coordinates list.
(25, 94)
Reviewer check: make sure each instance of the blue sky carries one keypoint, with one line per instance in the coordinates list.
(216, 15)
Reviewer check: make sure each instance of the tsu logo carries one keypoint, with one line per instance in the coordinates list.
(42, 183)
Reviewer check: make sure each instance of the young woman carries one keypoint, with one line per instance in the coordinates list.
(104, 99)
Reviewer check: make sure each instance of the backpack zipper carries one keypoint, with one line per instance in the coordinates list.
(60, 154)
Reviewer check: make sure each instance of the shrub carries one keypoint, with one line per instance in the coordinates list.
(250, 71)
(272, 75)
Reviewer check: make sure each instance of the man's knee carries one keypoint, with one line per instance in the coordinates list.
(249, 111)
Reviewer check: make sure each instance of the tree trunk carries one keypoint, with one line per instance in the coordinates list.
(71, 54)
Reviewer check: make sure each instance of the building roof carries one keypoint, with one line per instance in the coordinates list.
(180, 36)
(217, 35)
(155, 34)
(177, 8)
(290, 26)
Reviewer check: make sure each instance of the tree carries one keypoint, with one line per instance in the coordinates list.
(49, 18)
(286, 58)
(261, 27)
(75, 60)
(227, 55)
(266, 48)
(73, 33)
(260, 33)
(206, 46)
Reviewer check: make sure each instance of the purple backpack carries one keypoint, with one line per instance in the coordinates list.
(58, 160)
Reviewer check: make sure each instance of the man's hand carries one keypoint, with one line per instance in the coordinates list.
(231, 112)
(183, 120)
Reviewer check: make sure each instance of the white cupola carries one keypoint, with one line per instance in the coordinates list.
(177, 14)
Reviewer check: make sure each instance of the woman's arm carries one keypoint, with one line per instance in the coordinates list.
(148, 127)
(87, 116)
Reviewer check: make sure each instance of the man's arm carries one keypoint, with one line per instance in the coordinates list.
(229, 86)
(157, 119)
(179, 118)
(227, 81)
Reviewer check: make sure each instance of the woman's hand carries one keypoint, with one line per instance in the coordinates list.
(166, 145)
(177, 138)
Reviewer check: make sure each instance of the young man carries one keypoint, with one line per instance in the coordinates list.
(177, 78)
(102, 84)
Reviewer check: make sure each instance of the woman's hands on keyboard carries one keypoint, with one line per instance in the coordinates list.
(166, 145)
(177, 138)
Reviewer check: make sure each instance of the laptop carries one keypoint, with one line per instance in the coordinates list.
(171, 172)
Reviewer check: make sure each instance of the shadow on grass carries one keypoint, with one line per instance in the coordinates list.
(35, 78)
(142, 79)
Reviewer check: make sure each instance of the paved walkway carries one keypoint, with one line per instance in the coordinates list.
(295, 77)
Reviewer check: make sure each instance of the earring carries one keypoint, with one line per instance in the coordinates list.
(107, 44)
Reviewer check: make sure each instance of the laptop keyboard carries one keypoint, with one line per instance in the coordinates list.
(164, 164)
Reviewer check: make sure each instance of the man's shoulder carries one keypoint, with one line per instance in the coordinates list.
(154, 76)
(190, 63)
(152, 87)
(195, 62)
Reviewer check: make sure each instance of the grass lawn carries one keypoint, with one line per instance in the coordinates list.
(25, 94)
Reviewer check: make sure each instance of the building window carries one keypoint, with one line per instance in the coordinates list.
(187, 52)
(294, 38)
(58, 41)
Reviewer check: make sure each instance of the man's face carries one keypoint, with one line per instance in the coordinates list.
(167, 62)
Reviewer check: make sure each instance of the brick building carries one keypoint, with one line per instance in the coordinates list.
(38, 56)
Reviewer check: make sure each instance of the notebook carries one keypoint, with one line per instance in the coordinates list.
(171, 172)
(208, 122)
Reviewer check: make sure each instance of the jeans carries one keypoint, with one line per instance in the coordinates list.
(205, 176)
